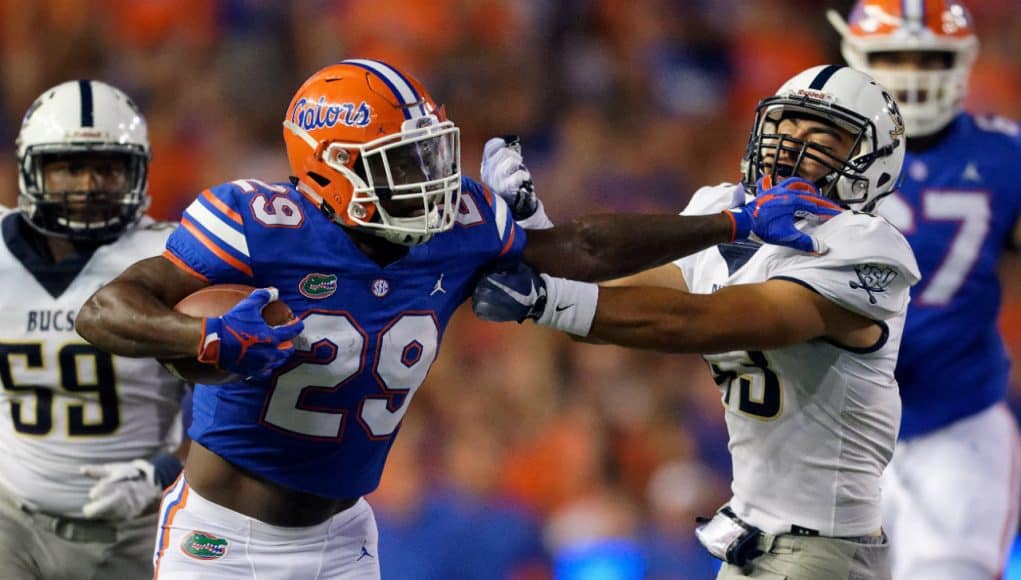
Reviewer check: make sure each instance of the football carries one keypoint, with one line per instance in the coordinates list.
(213, 301)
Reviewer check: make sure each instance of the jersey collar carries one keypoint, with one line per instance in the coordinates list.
(26, 245)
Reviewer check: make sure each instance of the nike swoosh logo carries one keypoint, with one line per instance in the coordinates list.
(563, 308)
(522, 299)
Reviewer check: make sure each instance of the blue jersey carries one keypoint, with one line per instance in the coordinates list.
(324, 422)
(957, 207)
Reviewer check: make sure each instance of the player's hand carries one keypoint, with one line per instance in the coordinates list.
(504, 172)
(515, 292)
(770, 217)
(242, 342)
(122, 490)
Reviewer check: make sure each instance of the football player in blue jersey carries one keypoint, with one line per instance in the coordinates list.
(374, 243)
(951, 493)
(88, 441)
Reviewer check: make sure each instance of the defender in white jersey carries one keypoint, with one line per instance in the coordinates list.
(802, 346)
(86, 438)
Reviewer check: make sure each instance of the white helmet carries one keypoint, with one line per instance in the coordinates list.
(74, 118)
(929, 99)
(846, 99)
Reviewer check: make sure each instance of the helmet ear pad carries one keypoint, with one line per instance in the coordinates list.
(334, 189)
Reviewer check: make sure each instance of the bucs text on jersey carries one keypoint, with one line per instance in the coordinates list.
(813, 425)
(323, 423)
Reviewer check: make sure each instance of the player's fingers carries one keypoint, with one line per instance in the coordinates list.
(799, 184)
(520, 176)
(492, 146)
(288, 331)
(820, 201)
(100, 507)
(104, 488)
(811, 244)
(805, 206)
(258, 299)
(484, 304)
(507, 162)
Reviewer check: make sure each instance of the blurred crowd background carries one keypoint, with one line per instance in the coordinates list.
(526, 455)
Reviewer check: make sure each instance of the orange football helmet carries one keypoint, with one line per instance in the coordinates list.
(928, 99)
(368, 144)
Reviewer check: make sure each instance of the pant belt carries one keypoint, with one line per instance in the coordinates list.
(74, 529)
(863, 539)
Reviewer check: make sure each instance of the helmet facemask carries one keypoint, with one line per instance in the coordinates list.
(413, 181)
(405, 187)
(928, 98)
(94, 215)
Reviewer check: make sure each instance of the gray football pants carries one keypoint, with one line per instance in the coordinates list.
(37, 546)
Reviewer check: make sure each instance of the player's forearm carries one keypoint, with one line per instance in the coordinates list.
(603, 247)
(669, 320)
(125, 319)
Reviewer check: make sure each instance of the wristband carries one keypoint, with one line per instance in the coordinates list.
(741, 222)
(167, 468)
(570, 305)
(538, 220)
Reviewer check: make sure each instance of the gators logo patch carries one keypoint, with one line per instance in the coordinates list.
(318, 286)
(203, 546)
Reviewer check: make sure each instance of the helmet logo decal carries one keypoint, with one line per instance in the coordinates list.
(311, 115)
(814, 94)
(895, 116)
(871, 17)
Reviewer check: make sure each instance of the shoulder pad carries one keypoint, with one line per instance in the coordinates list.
(997, 124)
(856, 238)
(714, 199)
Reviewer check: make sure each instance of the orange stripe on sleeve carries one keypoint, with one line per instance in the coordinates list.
(224, 208)
(510, 241)
(214, 248)
(180, 264)
(487, 195)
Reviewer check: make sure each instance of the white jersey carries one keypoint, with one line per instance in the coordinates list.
(64, 403)
(812, 426)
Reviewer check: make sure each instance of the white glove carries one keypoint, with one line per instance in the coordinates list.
(504, 172)
(122, 490)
